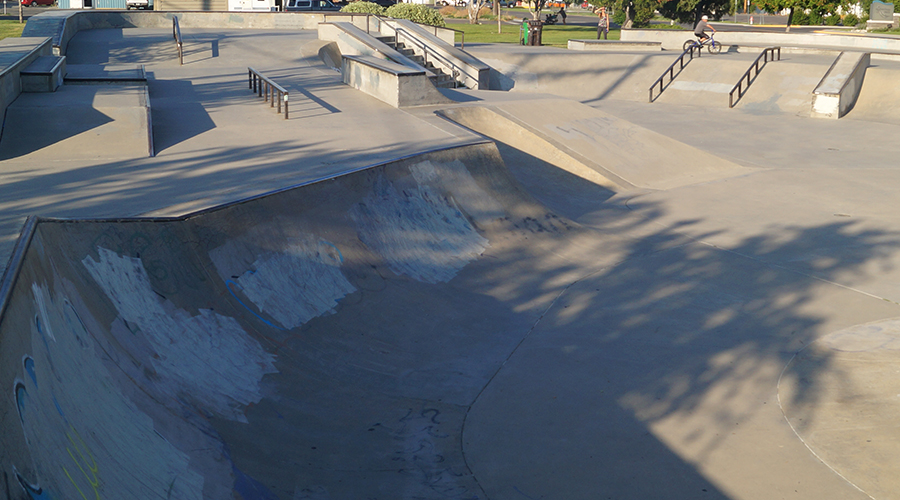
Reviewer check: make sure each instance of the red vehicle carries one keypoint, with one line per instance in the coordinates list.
(32, 3)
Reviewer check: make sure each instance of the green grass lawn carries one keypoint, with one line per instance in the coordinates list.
(10, 28)
(555, 35)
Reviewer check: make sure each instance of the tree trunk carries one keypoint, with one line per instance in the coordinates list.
(629, 17)
(790, 20)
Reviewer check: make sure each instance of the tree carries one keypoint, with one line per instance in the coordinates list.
(637, 13)
(473, 9)
(690, 11)
(536, 7)
(818, 7)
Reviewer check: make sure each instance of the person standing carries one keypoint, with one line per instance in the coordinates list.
(603, 23)
(562, 13)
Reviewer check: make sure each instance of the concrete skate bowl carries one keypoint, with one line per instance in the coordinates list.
(325, 341)
(420, 329)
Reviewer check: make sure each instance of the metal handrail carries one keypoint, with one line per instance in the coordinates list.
(739, 86)
(179, 43)
(671, 69)
(434, 29)
(462, 43)
(457, 69)
(258, 82)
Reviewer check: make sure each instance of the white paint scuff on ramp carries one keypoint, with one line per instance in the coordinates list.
(207, 357)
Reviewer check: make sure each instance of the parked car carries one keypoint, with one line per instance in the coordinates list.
(138, 4)
(458, 3)
(308, 5)
(32, 3)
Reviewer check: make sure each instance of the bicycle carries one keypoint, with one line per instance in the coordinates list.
(712, 46)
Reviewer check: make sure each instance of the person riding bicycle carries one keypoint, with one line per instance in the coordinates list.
(700, 29)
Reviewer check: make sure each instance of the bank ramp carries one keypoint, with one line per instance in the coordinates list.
(594, 145)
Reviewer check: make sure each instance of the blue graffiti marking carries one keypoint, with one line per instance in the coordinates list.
(29, 369)
(34, 492)
(58, 408)
(336, 249)
(228, 284)
(20, 393)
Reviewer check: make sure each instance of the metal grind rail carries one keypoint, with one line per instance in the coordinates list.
(265, 87)
(671, 70)
(739, 87)
(179, 43)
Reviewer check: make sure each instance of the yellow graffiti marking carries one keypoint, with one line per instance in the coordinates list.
(84, 457)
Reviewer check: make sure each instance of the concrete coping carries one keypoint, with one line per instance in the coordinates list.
(840, 73)
(386, 65)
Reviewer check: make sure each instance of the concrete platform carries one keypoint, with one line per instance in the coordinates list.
(440, 316)
(78, 123)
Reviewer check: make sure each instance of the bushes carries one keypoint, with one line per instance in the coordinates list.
(415, 12)
(850, 20)
(800, 18)
(453, 12)
(364, 8)
(832, 20)
(815, 18)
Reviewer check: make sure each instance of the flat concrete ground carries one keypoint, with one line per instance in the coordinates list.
(732, 338)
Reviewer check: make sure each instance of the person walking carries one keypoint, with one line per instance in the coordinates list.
(603, 23)
(562, 13)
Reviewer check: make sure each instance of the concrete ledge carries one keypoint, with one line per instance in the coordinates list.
(353, 41)
(674, 39)
(878, 25)
(62, 25)
(395, 84)
(16, 54)
(89, 74)
(837, 92)
(619, 45)
(44, 75)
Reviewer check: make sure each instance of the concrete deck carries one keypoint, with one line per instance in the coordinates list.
(466, 323)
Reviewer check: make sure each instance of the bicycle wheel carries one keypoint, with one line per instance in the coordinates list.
(714, 47)
(688, 44)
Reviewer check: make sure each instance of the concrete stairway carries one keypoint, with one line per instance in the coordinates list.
(445, 77)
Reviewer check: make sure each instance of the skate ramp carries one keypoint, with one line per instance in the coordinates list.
(878, 99)
(89, 122)
(583, 76)
(421, 329)
(344, 326)
(783, 86)
(706, 80)
(594, 145)
(786, 86)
